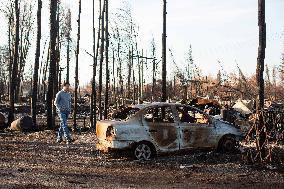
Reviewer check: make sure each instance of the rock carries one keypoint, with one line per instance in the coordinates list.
(24, 124)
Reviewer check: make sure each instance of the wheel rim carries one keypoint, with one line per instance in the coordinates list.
(143, 152)
(228, 145)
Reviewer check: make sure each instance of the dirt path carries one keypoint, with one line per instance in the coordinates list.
(35, 161)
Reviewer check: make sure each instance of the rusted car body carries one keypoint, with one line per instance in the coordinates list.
(166, 127)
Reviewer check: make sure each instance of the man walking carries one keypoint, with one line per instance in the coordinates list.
(63, 106)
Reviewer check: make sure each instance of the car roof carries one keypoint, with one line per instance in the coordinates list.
(143, 106)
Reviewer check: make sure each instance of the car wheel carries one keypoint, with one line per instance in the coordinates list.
(228, 144)
(143, 151)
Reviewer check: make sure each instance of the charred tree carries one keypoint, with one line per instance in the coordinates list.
(101, 61)
(68, 37)
(133, 75)
(139, 74)
(15, 64)
(261, 133)
(95, 68)
(10, 57)
(36, 66)
(93, 102)
(154, 79)
(129, 73)
(107, 63)
(114, 79)
(76, 70)
(142, 78)
(52, 66)
(45, 74)
(56, 77)
(25, 28)
(164, 54)
(40, 74)
(154, 69)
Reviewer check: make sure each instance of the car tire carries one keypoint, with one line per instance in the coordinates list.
(144, 151)
(227, 144)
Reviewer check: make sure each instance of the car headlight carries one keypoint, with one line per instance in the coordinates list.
(110, 132)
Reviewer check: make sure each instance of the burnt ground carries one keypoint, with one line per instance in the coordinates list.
(33, 160)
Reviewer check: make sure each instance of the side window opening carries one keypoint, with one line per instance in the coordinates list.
(159, 115)
(190, 115)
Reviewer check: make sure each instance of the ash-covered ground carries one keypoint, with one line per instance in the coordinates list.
(34, 160)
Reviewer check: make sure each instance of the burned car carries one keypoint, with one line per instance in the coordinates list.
(166, 127)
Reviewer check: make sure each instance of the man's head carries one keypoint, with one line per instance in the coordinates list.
(66, 86)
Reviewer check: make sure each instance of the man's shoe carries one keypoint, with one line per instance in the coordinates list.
(59, 141)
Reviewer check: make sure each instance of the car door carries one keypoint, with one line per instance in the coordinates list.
(161, 124)
(195, 128)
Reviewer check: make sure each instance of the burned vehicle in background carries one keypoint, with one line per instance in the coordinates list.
(166, 127)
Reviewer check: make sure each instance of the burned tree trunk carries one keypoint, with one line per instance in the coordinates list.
(93, 103)
(76, 70)
(44, 73)
(120, 73)
(107, 63)
(114, 79)
(69, 28)
(68, 62)
(36, 66)
(261, 133)
(55, 82)
(142, 78)
(139, 75)
(15, 64)
(10, 57)
(52, 66)
(94, 92)
(129, 73)
(153, 45)
(164, 54)
(101, 62)
(40, 74)
(133, 76)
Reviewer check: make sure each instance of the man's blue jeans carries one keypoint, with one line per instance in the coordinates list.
(63, 129)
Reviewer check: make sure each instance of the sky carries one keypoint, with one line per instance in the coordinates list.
(222, 30)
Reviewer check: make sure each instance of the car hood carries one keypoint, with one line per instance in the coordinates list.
(226, 127)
